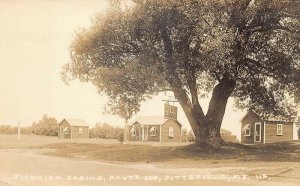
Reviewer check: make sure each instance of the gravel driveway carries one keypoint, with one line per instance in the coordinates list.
(29, 167)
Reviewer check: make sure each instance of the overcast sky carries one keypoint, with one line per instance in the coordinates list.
(34, 44)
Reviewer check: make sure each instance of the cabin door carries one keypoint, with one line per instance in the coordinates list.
(61, 128)
(143, 133)
(257, 132)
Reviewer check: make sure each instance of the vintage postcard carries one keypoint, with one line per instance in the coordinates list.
(149, 92)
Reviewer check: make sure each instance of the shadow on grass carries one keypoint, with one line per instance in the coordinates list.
(285, 151)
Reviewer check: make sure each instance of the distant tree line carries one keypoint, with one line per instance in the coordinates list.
(188, 136)
(7, 129)
(107, 131)
(47, 126)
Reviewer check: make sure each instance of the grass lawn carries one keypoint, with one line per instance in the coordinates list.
(111, 150)
(8, 141)
(284, 152)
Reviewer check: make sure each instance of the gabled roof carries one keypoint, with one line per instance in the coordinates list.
(150, 120)
(266, 118)
(76, 122)
(247, 113)
(278, 118)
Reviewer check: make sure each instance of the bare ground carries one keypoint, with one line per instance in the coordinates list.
(29, 167)
(264, 164)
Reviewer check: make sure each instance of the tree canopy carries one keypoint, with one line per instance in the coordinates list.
(246, 49)
(47, 126)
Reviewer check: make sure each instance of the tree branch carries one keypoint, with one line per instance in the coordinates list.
(216, 75)
(192, 84)
(265, 29)
(176, 84)
(218, 102)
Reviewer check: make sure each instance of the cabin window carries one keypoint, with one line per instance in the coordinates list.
(247, 130)
(80, 130)
(171, 132)
(133, 131)
(66, 131)
(152, 131)
(279, 129)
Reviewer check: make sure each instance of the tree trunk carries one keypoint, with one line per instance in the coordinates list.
(207, 127)
(215, 113)
(126, 131)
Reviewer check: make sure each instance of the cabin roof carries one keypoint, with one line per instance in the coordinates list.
(76, 122)
(150, 120)
(267, 118)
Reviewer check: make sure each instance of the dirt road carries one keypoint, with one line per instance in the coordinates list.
(29, 167)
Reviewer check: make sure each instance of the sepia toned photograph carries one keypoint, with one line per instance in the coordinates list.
(149, 92)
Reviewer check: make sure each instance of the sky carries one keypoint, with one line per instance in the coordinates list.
(35, 36)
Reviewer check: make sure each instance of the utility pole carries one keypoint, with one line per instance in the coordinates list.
(125, 139)
(19, 132)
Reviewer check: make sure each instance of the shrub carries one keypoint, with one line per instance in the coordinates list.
(47, 126)
(107, 131)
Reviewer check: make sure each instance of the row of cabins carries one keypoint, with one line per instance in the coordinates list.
(148, 128)
(254, 129)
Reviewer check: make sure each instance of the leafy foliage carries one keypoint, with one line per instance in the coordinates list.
(47, 126)
(248, 49)
(107, 131)
(7, 129)
(187, 136)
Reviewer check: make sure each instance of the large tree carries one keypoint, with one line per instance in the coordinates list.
(247, 49)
